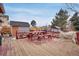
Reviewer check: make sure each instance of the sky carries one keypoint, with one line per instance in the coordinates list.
(42, 13)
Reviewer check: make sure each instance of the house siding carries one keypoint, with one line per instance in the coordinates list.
(14, 30)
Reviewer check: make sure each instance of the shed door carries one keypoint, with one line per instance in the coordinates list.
(23, 29)
(22, 32)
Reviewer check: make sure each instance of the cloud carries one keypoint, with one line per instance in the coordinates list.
(41, 21)
(27, 15)
(42, 15)
(27, 11)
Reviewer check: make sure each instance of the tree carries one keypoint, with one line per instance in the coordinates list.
(60, 19)
(73, 7)
(75, 21)
(75, 18)
(33, 23)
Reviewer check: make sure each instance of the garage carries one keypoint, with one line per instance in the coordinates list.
(19, 29)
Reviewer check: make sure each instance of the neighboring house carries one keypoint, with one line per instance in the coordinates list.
(19, 27)
(4, 19)
(4, 24)
(2, 11)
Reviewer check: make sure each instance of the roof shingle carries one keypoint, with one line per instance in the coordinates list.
(19, 24)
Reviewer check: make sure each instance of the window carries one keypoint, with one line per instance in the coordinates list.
(1, 22)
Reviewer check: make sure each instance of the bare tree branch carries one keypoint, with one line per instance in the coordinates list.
(73, 7)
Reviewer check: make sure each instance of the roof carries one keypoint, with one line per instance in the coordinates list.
(19, 24)
(2, 8)
(5, 16)
(55, 27)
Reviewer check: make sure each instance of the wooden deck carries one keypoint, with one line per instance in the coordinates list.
(24, 48)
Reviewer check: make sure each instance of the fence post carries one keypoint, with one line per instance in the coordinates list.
(16, 35)
(0, 40)
(77, 39)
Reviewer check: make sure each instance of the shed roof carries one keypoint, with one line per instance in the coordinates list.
(19, 24)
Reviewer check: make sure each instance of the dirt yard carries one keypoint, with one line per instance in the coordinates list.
(22, 47)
